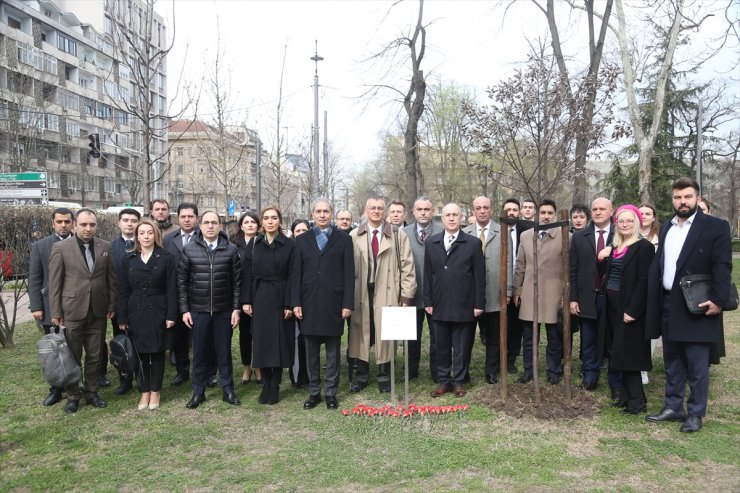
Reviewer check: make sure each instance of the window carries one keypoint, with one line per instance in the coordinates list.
(121, 117)
(180, 168)
(88, 105)
(14, 23)
(104, 111)
(111, 89)
(92, 183)
(109, 185)
(30, 56)
(67, 99)
(67, 45)
(107, 25)
(178, 151)
(51, 122)
(73, 129)
(52, 179)
(162, 105)
(122, 94)
(124, 72)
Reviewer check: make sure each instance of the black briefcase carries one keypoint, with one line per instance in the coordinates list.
(696, 289)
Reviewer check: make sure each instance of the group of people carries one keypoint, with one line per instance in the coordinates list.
(165, 286)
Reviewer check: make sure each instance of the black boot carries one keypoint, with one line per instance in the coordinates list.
(125, 384)
(266, 374)
(274, 394)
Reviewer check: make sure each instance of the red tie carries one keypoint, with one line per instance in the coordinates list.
(374, 244)
(599, 264)
(423, 235)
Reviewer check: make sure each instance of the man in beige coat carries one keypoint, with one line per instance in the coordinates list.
(384, 276)
(550, 281)
(82, 294)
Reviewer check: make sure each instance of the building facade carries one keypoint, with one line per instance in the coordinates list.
(65, 76)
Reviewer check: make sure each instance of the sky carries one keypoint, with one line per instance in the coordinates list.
(473, 43)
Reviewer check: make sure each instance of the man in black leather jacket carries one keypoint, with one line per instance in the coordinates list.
(208, 288)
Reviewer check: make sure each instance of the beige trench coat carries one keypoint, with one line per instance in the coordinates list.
(388, 280)
(550, 276)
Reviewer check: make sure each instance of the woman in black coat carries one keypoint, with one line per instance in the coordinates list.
(147, 306)
(622, 326)
(249, 225)
(268, 301)
(298, 371)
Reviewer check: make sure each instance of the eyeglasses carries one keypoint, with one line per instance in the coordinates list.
(376, 208)
(626, 221)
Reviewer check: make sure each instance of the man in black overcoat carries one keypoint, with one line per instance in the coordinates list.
(322, 293)
(690, 243)
(38, 280)
(454, 295)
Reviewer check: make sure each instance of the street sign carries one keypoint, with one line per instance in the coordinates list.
(232, 208)
(24, 188)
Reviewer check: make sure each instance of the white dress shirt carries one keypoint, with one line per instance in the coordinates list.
(674, 240)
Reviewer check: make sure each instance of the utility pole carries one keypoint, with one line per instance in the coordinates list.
(316, 58)
(698, 149)
(326, 192)
(259, 175)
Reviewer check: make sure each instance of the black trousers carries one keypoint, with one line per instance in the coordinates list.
(151, 372)
(181, 346)
(554, 354)
(632, 392)
(245, 339)
(489, 325)
(313, 364)
(452, 351)
(211, 334)
(514, 328)
(415, 346)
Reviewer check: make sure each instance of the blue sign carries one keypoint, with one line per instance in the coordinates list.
(232, 208)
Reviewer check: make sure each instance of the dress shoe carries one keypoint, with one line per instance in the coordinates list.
(262, 399)
(104, 382)
(441, 390)
(95, 401)
(631, 410)
(123, 388)
(553, 379)
(358, 387)
(313, 401)
(212, 381)
(331, 402)
(618, 403)
(231, 398)
(459, 391)
(589, 385)
(666, 414)
(413, 375)
(384, 387)
(180, 378)
(71, 406)
(691, 425)
(195, 401)
(141, 407)
(511, 368)
(54, 396)
(245, 381)
(492, 379)
(525, 378)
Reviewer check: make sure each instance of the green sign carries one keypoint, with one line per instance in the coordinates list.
(22, 177)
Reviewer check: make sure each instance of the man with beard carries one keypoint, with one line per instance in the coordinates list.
(38, 280)
(690, 243)
(161, 214)
(344, 220)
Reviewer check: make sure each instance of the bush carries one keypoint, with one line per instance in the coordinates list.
(736, 245)
(20, 226)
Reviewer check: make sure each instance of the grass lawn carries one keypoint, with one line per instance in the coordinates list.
(252, 447)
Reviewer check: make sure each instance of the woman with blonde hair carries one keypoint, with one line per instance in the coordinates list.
(622, 326)
(147, 306)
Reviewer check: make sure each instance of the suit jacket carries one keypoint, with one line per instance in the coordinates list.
(550, 273)
(73, 289)
(173, 241)
(707, 250)
(454, 282)
(493, 265)
(582, 268)
(417, 250)
(38, 276)
(323, 282)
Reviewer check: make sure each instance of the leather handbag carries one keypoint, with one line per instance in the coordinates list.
(696, 289)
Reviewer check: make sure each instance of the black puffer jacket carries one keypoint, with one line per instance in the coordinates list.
(209, 281)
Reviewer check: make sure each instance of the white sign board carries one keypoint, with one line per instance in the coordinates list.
(399, 323)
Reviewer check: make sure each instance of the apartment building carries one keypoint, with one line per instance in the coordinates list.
(66, 75)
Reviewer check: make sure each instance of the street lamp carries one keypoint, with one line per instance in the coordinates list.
(316, 58)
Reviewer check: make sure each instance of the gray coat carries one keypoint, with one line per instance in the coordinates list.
(493, 265)
(417, 251)
(38, 277)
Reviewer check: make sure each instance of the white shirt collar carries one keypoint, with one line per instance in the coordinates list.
(688, 221)
(478, 228)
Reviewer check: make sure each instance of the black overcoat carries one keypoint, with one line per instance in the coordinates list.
(269, 294)
(707, 250)
(323, 282)
(630, 350)
(147, 297)
(582, 268)
(454, 284)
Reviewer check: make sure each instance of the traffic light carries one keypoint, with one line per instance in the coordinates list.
(94, 145)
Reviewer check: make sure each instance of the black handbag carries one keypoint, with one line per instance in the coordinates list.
(696, 289)
(123, 355)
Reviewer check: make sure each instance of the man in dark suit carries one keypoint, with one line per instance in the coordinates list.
(38, 280)
(322, 293)
(82, 294)
(454, 295)
(418, 233)
(120, 245)
(690, 243)
(586, 296)
(187, 217)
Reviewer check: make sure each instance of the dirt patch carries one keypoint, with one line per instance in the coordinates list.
(521, 402)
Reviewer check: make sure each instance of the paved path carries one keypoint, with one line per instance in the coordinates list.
(24, 314)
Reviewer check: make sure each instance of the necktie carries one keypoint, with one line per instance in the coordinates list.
(129, 244)
(212, 246)
(88, 257)
(321, 240)
(186, 239)
(483, 239)
(542, 235)
(599, 264)
(375, 245)
(423, 235)
(450, 240)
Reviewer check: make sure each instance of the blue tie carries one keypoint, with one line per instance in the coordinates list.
(321, 240)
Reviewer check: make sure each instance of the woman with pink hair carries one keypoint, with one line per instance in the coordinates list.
(622, 327)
